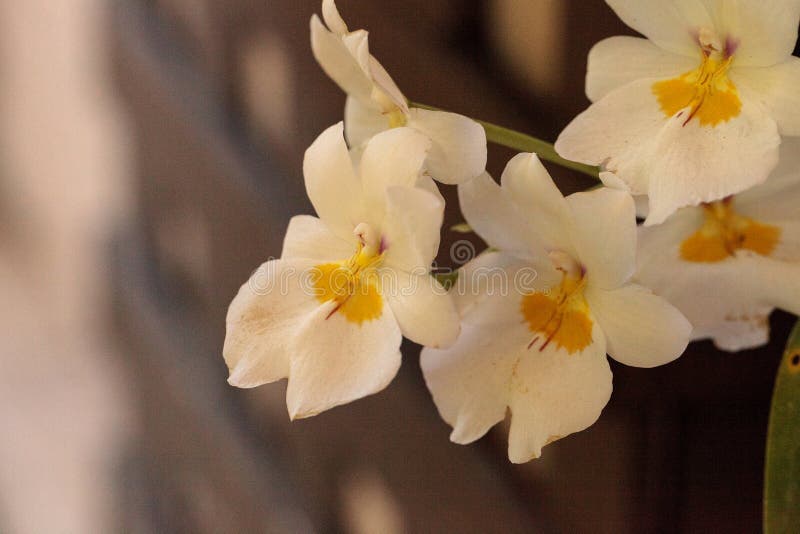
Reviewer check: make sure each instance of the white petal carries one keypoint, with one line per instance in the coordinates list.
(532, 189)
(338, 62)
(470, 380)
(777, 87)
(606, 70)
(458, 152)
(641, 329)
(669, 24)
(739, 334)
(262, 320)
(554, 394)
(493, 215)
(335, 361)
(362, 121)
(423, 309)
(332, 18)
(331, 183)
(711, 294)
(765, 30)
(604, 234)
(390, 96)
(391, 158)
(309, 237)
(412, 228)
(675, 165)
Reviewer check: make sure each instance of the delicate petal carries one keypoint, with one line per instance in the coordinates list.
(764, 31)
(262, 320)
(335, 361)
(739, 334)
(554, 394)
(387, 87)
(641, 329)
(676, 164)
(488, 288)
(412, 228)
(533, 191)
(423, 309)
(606, 71)
(332, 18)
(331, 183)
(604, 234)
(309, 237)
(391, 158)
(458, 152)
(362, 121)
(493, 215)
(777, 87)
(470, 380)
(670, 24)
(338, 62)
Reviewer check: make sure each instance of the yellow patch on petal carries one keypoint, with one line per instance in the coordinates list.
(396, 118)
(560, 316)
(724, 232)
(710, 95)
(352, 285)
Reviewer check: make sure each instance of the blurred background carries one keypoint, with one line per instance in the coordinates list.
(150, 158)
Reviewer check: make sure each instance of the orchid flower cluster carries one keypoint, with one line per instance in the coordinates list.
(687, 124)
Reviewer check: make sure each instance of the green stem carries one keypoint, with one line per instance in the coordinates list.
(525, 143)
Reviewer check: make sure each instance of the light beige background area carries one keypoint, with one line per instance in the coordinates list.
(63, 190)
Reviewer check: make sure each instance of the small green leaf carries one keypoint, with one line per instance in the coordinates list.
(782, 474)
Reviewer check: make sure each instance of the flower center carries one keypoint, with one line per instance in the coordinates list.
(396, 118)
(353, 283)
(724, 232)
(561, 314)
(705, 93)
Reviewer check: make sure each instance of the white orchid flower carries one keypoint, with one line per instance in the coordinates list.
(374, 103)
(693, 113)
(726, 265)
(540, 313)
(330, 313)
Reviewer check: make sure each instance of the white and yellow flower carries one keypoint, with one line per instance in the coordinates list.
(374, 103)
(541, 312)
(330, 313)
(727, 264)
(693, 113)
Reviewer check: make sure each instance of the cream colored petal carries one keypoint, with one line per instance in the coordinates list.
(739, 334)
(423, 309)
(338, 62)
(492, 214)
(390, 96)
(412, 228)
(641, 329)
(777, 87)
(309, 237)
(764, 31)
(262, 320)
(331, 183)
(670, 24)
(617, 61)
(554, 394)
(676, 163)
(458, 151)
(332, 18)
(531, 188)
(470, 381)
(362, 121)
(604, 234)
(335, 361)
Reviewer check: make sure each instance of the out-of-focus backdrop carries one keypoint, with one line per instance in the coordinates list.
(150, 158)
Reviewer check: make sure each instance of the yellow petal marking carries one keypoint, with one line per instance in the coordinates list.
(724, 232)
(707, 91)
(559, 316)
(352, 285)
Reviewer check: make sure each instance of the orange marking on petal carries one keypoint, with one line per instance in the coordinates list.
(724, 232)
(352, 285)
